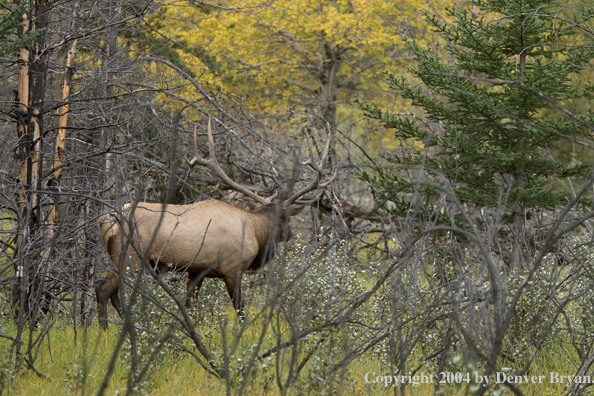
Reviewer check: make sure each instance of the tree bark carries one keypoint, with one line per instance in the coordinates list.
(108, 52)
(519, 183)
(329, 82)
(23, 155)
(60, 148)
(31, 93)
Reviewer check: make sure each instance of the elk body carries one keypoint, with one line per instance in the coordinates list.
(206, 239)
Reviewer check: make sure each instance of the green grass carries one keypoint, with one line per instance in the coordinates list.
(63, 362)
(75, 362)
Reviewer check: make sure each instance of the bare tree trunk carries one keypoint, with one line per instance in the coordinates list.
(23, 155)
(60, 148)
(518, 212)
(329, 83)
(518, 232)
(32, 75)
(108, 54)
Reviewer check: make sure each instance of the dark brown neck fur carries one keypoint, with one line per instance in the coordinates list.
(271, 230)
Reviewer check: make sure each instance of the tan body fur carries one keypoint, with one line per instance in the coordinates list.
(208, 238)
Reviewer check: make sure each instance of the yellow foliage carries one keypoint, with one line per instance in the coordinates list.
(274, 54)
(266, 46)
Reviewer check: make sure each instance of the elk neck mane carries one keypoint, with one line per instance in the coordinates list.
(269, 232)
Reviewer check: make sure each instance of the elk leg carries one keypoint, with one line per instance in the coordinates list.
(159, 267)
(234, 289)
(104, 291)
(115, 301)
(101, 305)
(193, 286)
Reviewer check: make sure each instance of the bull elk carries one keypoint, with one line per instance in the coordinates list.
(206, 239)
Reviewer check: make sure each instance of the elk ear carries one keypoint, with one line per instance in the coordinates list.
(252, 205)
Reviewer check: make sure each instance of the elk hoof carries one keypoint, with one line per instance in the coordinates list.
(103, 324)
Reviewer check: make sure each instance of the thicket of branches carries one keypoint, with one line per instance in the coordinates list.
(465, 268)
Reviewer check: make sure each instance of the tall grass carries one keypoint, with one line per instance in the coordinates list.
(75, 360)
(77, 367)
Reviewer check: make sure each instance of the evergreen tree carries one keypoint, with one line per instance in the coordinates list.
(9, 23)
(494, 115)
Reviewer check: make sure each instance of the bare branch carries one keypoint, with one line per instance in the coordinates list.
(213, 164)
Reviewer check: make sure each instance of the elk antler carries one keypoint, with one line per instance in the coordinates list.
(319, 168)
(213, 164)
